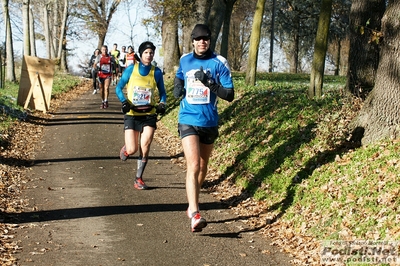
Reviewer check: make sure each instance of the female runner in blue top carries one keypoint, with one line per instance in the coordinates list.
(144, 86)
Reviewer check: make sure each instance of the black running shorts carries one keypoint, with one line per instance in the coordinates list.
(138, 122)
(207, 135)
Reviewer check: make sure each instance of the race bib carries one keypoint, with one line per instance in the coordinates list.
(106, 68)
(141, 96)
(197, 93)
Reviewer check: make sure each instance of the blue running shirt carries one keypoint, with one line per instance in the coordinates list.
(199, 105)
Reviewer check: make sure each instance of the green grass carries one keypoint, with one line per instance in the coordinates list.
(10, 111)
(286, 150)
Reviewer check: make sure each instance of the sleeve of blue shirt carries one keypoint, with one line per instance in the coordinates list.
(122, 82)
(158, 75)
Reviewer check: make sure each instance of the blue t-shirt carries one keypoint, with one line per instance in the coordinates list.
(144, 71)
(204, 114)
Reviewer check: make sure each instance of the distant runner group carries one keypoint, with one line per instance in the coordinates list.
(202, 78)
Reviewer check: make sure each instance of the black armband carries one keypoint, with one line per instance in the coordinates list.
(223, 93)
(178, 87)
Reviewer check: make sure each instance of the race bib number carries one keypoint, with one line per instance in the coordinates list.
(106, 68)
(141, 96)
(197, 93)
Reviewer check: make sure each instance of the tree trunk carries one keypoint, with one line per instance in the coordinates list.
(25, 19)
(32, 33)
(56, 29)
(170, 42)
(294, 48)
(62, 48)
(251, 70)
(226, 28)
(337, 57)
(215, 21)
(46, 30)
(272, 38)
(379, 117)
(365, 17)
(321, 45)
(10, 67)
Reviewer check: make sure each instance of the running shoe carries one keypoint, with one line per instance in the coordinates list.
(198, 222)
(139, 184)
(102, 106)
(105, 105)
(123, 154)
(94, 91)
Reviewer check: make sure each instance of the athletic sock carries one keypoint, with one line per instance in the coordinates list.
(141, 165)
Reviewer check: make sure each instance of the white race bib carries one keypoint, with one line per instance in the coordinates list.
(141, 96)
(196, 92)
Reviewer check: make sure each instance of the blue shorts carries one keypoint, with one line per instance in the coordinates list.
(207, 135)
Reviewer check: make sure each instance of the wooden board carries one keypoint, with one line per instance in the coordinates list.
(36, 83)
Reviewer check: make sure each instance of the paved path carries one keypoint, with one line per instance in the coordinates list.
(83, 209)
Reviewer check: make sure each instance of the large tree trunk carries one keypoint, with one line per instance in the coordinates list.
(226, 28)
(251, 70)
(380, 117)
(10, 69)
(215, 21)
(170, 42)
(321, 45)
(365, 16)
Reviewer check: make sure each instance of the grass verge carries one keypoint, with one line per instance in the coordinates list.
(289, 156)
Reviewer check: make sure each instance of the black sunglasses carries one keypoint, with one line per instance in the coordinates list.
(204, 38)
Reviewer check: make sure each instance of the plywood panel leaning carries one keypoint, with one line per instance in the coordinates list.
(36, 83)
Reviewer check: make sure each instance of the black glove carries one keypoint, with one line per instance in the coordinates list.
(205, 78)
(208, 81)
(126, 107)
(160, 109)
(178, 88)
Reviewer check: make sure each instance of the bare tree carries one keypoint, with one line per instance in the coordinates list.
(320, 48)
(32, 32)
(97, 15)
(25, 19)
(10, 71)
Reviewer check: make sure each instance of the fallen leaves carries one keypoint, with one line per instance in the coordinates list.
(17, 149)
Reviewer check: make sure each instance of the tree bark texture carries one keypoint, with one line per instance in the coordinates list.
(365, 16)
(170, 42)
(379, 117)
(226, 28)
(10, 68)
(251, 70)
(320, 48)
(32, 33)
(25, 19)
(215, 20)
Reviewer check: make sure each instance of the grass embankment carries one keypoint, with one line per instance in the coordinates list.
(10, 110)
(289, 154)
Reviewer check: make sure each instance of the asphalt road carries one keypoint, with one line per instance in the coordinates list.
(83, 209)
